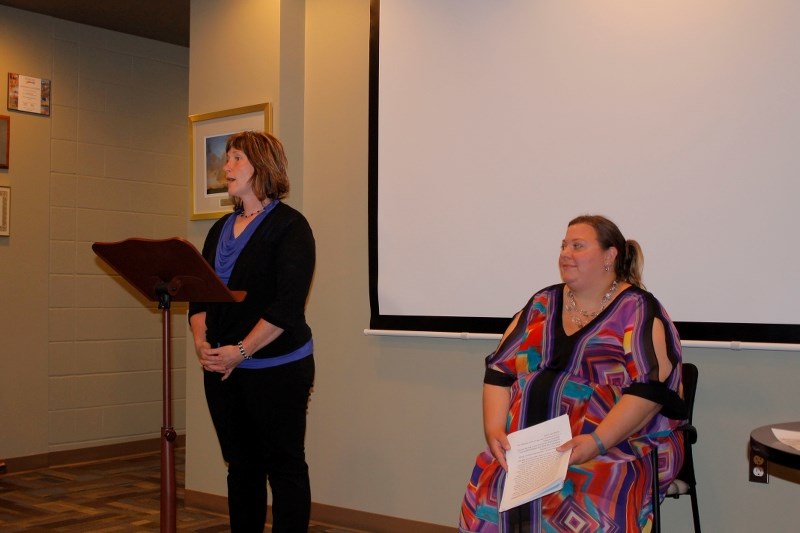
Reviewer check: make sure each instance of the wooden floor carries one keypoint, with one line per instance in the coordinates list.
(115, 495)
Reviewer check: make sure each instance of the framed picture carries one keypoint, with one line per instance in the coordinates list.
(5, 139)
(208, 134)
(5, 211)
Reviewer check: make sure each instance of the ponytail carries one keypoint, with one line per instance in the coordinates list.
(631, 265)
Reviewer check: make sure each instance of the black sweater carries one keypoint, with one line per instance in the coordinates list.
(275, 268)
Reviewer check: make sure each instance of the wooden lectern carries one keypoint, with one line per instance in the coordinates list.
(165, 271)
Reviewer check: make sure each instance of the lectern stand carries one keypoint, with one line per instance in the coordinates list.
(165, 271)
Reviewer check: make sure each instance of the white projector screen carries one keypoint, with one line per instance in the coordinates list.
(493, 123)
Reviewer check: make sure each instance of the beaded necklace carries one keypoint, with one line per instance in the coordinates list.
(581, 317)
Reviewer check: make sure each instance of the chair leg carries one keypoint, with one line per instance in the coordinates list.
(695, 510)
(654, 492)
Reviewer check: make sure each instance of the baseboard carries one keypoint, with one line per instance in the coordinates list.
(328, 514)
(371, 522)
(205, 502)
(85, 455)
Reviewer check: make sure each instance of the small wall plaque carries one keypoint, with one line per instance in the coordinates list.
(28, 94)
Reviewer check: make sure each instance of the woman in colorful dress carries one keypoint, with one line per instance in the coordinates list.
(602, 350)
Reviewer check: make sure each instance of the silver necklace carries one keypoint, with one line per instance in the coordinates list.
(581, 317)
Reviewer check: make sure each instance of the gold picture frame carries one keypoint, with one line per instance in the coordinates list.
(5, 140)
(207, 135)
(5, 211)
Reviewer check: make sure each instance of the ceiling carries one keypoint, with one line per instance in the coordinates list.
(162, 20)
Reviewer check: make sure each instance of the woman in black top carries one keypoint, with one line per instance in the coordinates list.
(257, 355)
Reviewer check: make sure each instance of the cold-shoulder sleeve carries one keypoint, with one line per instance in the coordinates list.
(642, 363)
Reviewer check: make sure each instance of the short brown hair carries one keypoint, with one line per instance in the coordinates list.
(265, 152)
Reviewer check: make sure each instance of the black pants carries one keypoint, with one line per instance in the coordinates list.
(260, 419)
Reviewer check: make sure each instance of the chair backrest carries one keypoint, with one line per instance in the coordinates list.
(689, 388)
(686, 473)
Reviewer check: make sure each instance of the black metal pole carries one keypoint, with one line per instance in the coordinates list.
(168, 435)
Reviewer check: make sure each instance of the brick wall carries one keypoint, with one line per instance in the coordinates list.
(119, 169)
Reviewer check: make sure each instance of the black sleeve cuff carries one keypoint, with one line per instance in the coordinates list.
(194, 308)
(672, 405)
(495, 377)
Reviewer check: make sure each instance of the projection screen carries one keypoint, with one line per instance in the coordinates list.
(492, 124)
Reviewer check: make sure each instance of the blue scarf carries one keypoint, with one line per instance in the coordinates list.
(229, 247)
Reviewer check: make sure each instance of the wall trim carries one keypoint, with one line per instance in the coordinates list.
(205, 502)
(86, 455)
(327, 514)
(371, 522)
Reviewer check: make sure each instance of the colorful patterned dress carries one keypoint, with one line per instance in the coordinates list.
(583, 375)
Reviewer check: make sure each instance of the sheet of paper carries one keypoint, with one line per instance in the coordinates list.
(535, 468)
(789, 438)
(30, 94)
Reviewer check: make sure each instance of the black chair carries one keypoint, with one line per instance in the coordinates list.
(685, 484)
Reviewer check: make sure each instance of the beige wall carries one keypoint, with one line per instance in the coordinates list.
(109, 163)
(394, 422)
(24, 266)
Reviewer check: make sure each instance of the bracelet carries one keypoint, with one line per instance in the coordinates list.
(241, 351)
(599, 443)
